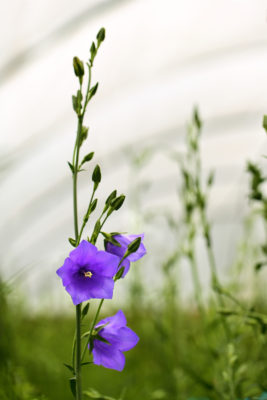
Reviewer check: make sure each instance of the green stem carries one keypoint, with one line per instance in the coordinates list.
(97, 313)
(196, 282)
(92, 327)
(85, 221)
(73, 350)
(78, 353)
(88, 89)
(213, 269)
(75, 204)
(75, 161)
(76, 230)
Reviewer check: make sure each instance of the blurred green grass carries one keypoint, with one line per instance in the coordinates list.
(179, 356)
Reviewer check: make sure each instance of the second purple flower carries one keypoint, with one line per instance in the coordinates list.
(124, 241)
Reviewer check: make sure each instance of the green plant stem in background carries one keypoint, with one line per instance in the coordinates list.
(212, 263)
(196, 282)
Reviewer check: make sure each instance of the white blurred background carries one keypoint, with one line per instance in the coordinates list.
(159, 59)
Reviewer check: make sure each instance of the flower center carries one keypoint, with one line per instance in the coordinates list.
(88, 274)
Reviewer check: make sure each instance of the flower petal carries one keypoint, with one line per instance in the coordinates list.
(101, 287)
(124, 241)
(67, 271)
(114, 323)
(128, 339)
(97, 287)
(105, 264)
(79, 290)
(83, 254)
(108, 356)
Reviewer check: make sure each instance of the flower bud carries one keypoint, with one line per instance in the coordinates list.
(96, 176)
(78, 67)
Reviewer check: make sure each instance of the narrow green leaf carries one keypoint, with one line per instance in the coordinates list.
(264, 122)
(110, 238)
(71, 167)
(93, 206)
(111, 197)
(92, 91)
(197, 119)
(96, 231)
(72, 382)
(84, 134)
(69, 367)
(134, 245)
(119, 274)
(74, 104)
(118, 202)
(87, 363)
(85, 310)
(210, 179)
(72, 242)
(87, 158)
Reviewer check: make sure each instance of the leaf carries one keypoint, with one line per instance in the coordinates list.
(93, 206)
(197, 119)
(118, 202)
(87, 158)
(258, 266)
(210, 179)
(87, 363)
(72, 382)
(83, 135)
(264, 122)
(119, 274)
(96, 231)
(85, 310)
(92, 91)
(109, 238)
(72, 242)
(69, 367)
(111, 197)
(71, 167)
(134, 245)
(74, 103)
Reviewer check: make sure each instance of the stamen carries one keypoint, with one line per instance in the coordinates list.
(88, 274)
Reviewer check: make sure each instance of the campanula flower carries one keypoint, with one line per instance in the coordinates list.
(116, 338)
(124, 241)
(88, 273)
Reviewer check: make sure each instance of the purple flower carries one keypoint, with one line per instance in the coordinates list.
(119, 251)
(87, 273)
(120, 338)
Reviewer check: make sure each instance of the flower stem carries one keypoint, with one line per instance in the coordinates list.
(76, 230)
(213, 268)
(92, 327)
(196, 282)
(78, 353)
